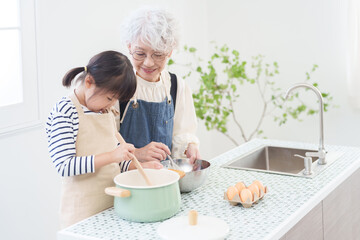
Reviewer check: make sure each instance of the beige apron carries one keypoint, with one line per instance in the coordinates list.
(83, 195)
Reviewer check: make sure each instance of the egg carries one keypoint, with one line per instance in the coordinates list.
(260, 185)
(240, 186)
(231, 192)
(254, 190)
(245, 195)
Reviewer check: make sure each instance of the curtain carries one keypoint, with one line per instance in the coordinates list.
(353, 61)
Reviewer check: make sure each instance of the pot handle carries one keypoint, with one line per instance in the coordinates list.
(117, 192)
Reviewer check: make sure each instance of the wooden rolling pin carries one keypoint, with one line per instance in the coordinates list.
(136, 162)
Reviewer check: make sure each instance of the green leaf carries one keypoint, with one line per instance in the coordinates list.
(223, 129)
(192, 49)
(324, 95)
(301, 108)
(223, 86)
(233, 86)
(326, 105)
(170, 62)
(215, 55)
(226, 113)
(315, 66)
(235, 53)
(225, 59)
(224, 48)
(311, 112)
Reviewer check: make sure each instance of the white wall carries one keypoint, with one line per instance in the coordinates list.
(295, 33)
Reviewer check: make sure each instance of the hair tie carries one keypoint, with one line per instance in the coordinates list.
(85, 69)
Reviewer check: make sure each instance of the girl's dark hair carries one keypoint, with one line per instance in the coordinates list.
(111, 71)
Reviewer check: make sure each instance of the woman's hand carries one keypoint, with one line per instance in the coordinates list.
(123, 152)
(192, 152)
(154, 151)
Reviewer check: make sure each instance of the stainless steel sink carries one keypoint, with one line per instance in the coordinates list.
(280, 160)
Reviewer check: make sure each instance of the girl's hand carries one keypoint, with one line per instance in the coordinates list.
(154, 151)
(122, 152)
(193, 152)
(152, 164)
(149, 164)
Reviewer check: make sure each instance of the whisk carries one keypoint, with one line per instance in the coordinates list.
(175, 167)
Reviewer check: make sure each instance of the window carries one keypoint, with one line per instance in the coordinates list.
(353, 68)
(10, 81)
(19, 105)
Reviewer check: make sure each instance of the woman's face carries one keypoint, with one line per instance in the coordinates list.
(148, 63)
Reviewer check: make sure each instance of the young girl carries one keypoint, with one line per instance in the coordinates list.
(82, 137)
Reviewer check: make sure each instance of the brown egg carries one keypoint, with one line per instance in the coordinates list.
(246, 194)
(240, 186)
(231, 192)
(254, 190)
(260, 185)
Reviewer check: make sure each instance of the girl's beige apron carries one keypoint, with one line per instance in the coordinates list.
(83, 195)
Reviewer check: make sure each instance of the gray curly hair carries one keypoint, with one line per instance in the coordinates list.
(154, 27)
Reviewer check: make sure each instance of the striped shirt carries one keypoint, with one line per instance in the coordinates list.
(62, 128)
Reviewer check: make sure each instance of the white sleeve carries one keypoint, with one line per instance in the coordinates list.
(185, 122)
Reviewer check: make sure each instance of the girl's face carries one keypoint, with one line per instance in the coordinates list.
(148, 63)
(97, 100)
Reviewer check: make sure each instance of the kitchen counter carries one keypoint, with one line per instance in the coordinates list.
(288, 201)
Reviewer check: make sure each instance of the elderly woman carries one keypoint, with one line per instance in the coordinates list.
(161, 115)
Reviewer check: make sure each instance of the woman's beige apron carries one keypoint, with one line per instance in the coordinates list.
(83, 195)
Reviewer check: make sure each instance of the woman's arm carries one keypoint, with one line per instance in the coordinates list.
(185, 143)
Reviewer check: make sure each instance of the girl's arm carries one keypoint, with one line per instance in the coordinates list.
(119, 155)
(61, 128)
(150, 164)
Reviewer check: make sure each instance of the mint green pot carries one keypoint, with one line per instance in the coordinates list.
(137, 202)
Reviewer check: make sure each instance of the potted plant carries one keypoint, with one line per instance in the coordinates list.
(220, 79)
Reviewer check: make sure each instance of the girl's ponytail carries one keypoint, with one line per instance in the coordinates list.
(70, 75)
(111, 72)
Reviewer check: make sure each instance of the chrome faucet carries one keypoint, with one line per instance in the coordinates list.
(321, 154)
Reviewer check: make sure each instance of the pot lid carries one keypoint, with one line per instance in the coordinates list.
(206, 228)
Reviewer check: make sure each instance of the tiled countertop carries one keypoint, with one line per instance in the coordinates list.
(289, 199)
